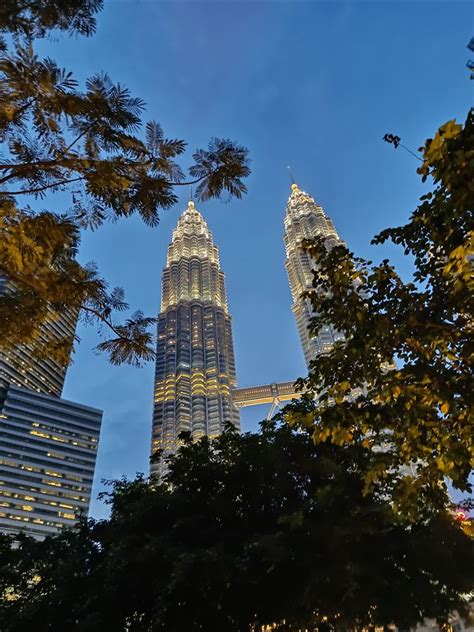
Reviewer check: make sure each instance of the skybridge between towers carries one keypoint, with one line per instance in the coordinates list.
(273, 394)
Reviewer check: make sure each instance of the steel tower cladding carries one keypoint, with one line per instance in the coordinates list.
(305, 219)
(195, 365)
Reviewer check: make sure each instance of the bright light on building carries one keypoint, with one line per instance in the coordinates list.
(195, 365)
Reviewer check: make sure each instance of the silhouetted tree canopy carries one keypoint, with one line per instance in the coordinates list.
(37, 18)
(92, 143)
(246, 530)
(419, 415)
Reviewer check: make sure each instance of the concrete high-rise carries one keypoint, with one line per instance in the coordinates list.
(305, 219)
(195, 365)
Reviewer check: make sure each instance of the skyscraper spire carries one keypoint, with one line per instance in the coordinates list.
(195, 366)
(291, 174)
(305, 219)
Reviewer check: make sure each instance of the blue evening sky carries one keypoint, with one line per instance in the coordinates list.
(311, 84)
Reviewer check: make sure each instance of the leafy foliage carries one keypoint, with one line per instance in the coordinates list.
(45, 282)
(35, 18)
(419, 414)
(246, 530)
(57, 137)
(36, 573)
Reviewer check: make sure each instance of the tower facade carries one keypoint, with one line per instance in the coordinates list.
(48, 450)
(48, 445)
(20, 366)
(195, 364)
(305, 219)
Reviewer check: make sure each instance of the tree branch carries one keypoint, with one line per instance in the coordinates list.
(88, 129)
(64, 163)
(110, 325)
(103, 319)
(60, 163)
(6, 178)
(24, 107)
(43, 188)
(186, 184)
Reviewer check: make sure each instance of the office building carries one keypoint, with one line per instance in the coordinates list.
(48, 445)
(48, 449)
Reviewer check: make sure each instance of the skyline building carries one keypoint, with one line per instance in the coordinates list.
(305, 219)
(195, 364)
(48, 449)
(48, 445)
(21, 367)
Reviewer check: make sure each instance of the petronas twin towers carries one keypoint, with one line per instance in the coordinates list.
(195, 366)
(305, 219)
(195, 376)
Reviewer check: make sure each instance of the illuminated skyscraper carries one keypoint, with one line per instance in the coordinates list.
(305, 219)
(48, 449)
(195, 365)
(48, 445)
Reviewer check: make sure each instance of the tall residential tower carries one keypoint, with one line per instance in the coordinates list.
(305, 219)
(195, 366)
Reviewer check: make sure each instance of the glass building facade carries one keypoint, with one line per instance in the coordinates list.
(48, 449)
(48, 445)
(19, 365)
(305, 219)
(195, 365)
